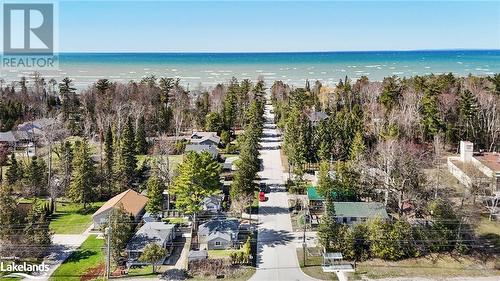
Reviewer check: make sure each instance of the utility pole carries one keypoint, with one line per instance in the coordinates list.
(304, 245)
(108, 251)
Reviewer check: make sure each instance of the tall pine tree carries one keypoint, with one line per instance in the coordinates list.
(83, 178)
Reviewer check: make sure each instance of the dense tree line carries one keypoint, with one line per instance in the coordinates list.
(25, 232)
(378, 143)
(248, 164)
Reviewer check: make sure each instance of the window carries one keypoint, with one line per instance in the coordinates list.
(344, 220)
(217, 243)
(354, 219)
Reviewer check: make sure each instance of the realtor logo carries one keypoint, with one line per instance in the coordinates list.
(28, 29)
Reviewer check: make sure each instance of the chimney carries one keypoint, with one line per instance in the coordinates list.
(466, 151)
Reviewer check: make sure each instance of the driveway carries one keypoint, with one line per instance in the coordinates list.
(276, 246)
(62, 246)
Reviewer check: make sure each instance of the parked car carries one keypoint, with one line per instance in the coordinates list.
(264, 187)
(262, 196)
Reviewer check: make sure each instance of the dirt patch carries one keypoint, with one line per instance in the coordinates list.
(93, 273)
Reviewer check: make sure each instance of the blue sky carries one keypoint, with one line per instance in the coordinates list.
(260, 26)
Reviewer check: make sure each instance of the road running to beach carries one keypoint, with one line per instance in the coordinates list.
(276, 246)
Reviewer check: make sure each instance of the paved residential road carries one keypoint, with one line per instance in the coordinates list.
(276, 246)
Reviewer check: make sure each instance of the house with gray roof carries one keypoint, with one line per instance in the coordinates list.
(346, 212)
(218, 234)
(159, 233)
(317, 116)
(208, 139)
(199, 148)
(212, 203)
(8, 138)
(353, 212)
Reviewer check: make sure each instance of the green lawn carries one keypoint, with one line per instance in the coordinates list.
(241, 274)
(489, 230)
(313, 267)
(142, 271)
(86, 260)
(434, 266)
(69, 218)
(174, 160)
(218, 254)
(179, 220)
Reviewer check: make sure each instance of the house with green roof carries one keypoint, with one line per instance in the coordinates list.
(348, 212)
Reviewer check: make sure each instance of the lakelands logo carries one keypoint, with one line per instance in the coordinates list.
(19, 269)
(28, 35)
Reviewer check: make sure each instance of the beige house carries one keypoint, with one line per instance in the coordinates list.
(133, 203)
(474, 169)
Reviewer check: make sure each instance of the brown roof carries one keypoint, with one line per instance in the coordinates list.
(490, 160)
(132, 201)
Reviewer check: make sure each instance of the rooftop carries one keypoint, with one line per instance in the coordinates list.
(312, 194)
(360, 210)
(224, 228)
(199, 148)
(132, 202)
(490, 160)
(150, 232)
(317, 116)
(7, 137)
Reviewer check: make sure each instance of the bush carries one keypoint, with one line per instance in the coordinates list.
(231, 149)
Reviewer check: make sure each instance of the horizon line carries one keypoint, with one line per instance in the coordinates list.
(273, 52)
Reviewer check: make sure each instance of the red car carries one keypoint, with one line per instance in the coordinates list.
(262, 196)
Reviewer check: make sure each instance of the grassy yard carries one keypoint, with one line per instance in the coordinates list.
(313, 267)
(143, 271)
(174, 160)
(435, 266)
(241, 274)
(70, 218)
(219, 254)
(489, 230)
(88, 261)
(176, 220)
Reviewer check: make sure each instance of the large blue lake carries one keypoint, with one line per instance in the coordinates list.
(294, 68)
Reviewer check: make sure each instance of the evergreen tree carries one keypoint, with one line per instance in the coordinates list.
(328, 227)
(109, 157)
(120, 226)
(357, 146)
(66, 152)
(431, 120)
(213, 122)
(198, 177)
(468, 110)
(325, 182)
(66, 90)
(155, 195)
(37, 233)
(83, 175)
(127, 161)
(163, 109)
(35, 177)
(229, 108)
(391, 92)
(294, 143)
(140, 137)
(15, 171)
(323, 141)
(9, 217)
(495, 81)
